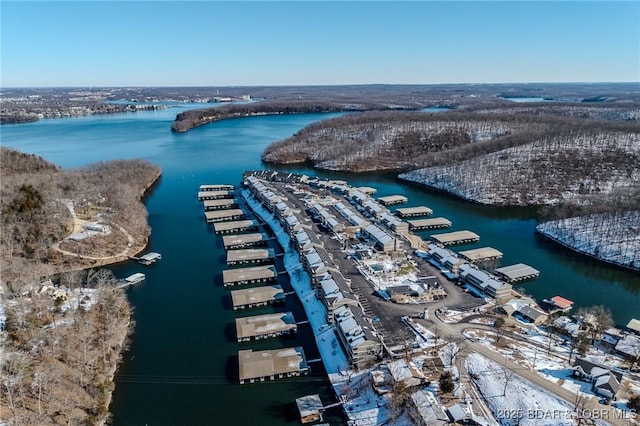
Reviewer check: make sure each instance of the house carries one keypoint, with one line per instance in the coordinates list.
(531, 315)
(604, 382)
(629, 347)
(634, 326)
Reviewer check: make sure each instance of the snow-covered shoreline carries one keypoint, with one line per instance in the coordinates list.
(612, 238)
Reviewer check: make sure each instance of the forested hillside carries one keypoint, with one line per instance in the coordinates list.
(584, 166)
(41, 204)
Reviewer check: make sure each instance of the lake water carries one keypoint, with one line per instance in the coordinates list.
(182, 365)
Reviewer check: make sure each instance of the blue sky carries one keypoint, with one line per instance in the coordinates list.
(161, 43)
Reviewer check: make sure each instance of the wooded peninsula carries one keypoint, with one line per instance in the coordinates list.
(66, 325)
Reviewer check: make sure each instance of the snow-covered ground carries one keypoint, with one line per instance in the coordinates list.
(333, 356)
(514, 400)
(613, 237)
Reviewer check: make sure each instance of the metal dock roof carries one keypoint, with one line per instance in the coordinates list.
(222, 203)
(456, 237)
(248, 255)
(253, 274)
(257, 296)
(258, 326)
(223, 215)
(270, 363)
(482, 253)
(216, 187)
(214, 195)
(517, 272)
(235, 226)
(436, 222)
(393, 199)
(414, 211)
(243, 240)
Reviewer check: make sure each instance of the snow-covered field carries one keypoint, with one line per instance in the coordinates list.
(614, 238)
(519, 402)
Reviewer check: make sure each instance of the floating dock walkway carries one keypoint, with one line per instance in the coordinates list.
(457, 237)
(260, 327)
(436, 222)
(250, 256)
(414, 211)
(244, 276)
(271, 364)
(393, 199)
(235, 226)
(224, 215)
(517, 272)
(244, 240)
(257, 296)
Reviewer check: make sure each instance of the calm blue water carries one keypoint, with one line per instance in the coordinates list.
(182, 365)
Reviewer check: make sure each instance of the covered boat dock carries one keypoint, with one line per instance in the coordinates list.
(259, 327)
(224, 215)
(244, 240)
(436, 222)
(223, 203)
(414, 211)
(253, 275)
(456, 237)
(235, 227)
(393, 199)
(214, 195)
(250, 256)
(480, 254)
(257, 296)
(271, 364)
(517, 272)
(217, 187)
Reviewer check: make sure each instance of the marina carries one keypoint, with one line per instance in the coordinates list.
(265, 326)
(271, 364)
(250, 256)
(517, 272)
(257, 296)
(392, 199)
(235, 226)
(224, 215)
(456, 237)
(252, 275)
(414, 211)
(244, 240)
(436, 222)
(223, 203)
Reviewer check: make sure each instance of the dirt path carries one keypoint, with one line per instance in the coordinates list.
(77, 227)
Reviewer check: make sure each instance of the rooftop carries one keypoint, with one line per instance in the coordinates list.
(516, 272)
(455, 237)
(249, 254)
(253, 365)
(414, 211)
(256, 295)
(236, 240)
(259, 325)
(481, 254)
(234, 225)
(248, 274)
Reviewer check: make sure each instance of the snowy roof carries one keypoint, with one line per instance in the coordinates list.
(329, 287)
(530, 312)
(458, 413)
(313, 258)
(607, 382)
(292, 220)
(360, 196)
(634, 325)
(378, 234)
(428, 408)
(629, 345)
